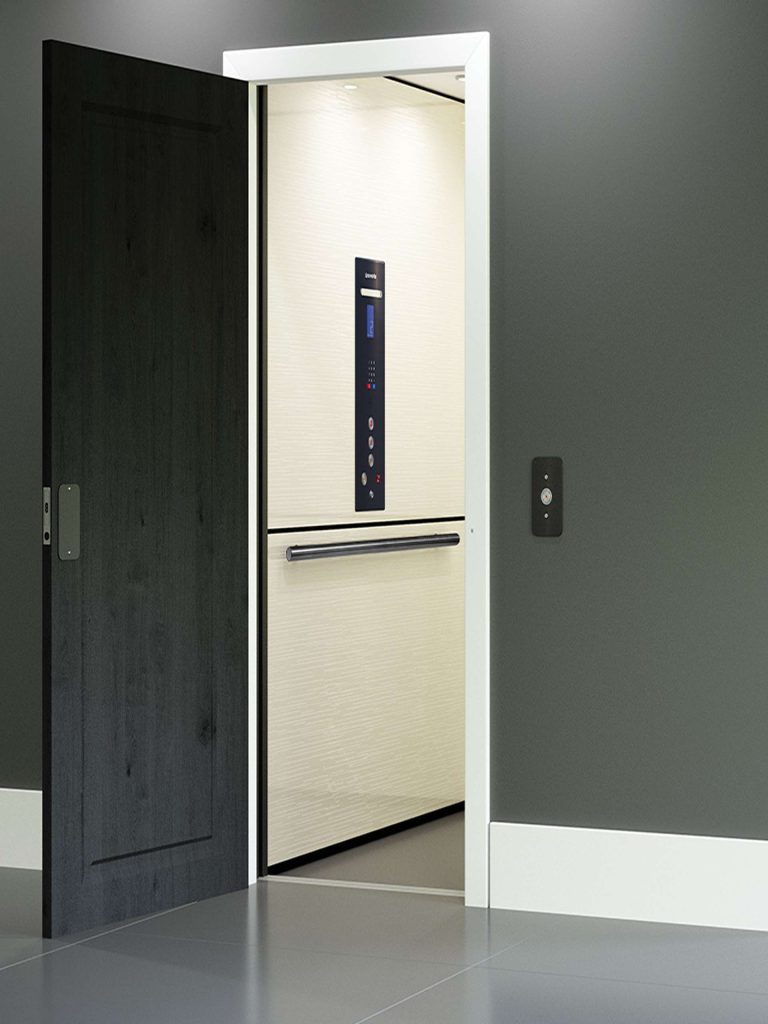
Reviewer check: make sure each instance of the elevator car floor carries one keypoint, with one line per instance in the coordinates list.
(281, 953)
(429, 856)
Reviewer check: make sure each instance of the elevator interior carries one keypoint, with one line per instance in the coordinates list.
(364, 682)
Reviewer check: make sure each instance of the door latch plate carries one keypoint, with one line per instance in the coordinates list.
(46, 516)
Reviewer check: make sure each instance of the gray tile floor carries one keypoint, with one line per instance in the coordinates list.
(290, 953)
(428, 856)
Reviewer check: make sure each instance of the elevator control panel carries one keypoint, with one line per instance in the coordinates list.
(369, 385)
(547, 496)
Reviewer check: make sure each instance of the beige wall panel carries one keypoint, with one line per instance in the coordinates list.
(379, 173)
(365, 687)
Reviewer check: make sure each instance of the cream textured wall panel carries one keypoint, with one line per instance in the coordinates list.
(365, 687)
(21, 828)
(377, 172)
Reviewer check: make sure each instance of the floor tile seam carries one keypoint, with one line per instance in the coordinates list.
(325, 952)
(624, 981)
(91, 938)
(436, 984)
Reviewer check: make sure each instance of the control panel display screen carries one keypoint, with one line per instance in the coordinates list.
(369, 321)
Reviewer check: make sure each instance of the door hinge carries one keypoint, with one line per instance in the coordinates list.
(46, 516)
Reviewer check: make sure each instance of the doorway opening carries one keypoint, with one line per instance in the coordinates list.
(362, 767)
(461, 54)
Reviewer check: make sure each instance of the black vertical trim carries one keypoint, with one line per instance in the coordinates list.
(263, 839)
(46, 482)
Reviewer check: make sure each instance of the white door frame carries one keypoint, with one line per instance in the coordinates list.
(467, 52)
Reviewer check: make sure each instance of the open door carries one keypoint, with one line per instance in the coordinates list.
(145, 455)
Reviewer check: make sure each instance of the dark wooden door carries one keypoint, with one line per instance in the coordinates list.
(145, 414)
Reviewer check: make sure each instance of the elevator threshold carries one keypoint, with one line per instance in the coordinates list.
(378, 886)
(424, 853)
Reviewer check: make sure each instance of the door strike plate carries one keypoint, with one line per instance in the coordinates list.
(46, 516)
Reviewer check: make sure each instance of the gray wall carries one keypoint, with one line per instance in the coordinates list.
(630, 314)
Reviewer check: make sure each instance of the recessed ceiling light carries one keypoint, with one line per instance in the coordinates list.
(460, 77)
(349, 86)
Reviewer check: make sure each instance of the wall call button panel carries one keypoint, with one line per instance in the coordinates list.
(547, 496)
(369, 385)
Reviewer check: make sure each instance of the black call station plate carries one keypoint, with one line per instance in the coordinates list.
(369, 385)
(547, 496)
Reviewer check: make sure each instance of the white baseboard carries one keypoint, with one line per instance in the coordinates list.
(21, 828)
(641, 876)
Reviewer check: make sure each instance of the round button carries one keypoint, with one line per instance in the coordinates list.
(363, 479)
(370, 422)
(370, 460)
(370, 442)
(546, 496)
(370, 494)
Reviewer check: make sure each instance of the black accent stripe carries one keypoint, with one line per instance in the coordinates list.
(369, 837)
(360, 526)
(425, 88)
